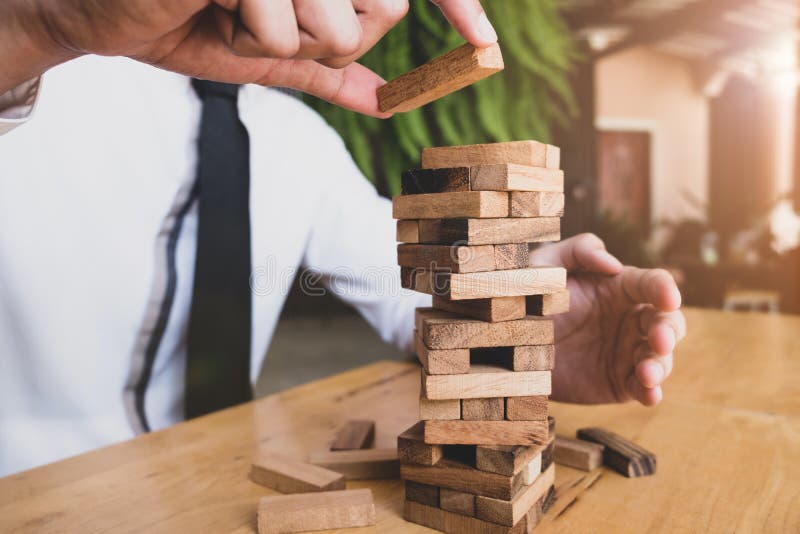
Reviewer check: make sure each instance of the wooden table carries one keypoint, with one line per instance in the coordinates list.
(727, 438)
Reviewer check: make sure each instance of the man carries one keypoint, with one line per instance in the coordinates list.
(137, 202)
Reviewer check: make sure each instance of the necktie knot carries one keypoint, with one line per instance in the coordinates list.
(207, 88)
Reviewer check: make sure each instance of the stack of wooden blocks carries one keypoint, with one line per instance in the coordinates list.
(480, 459)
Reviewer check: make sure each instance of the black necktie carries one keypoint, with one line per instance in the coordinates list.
(218, 345)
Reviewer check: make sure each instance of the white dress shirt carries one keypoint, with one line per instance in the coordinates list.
(97, 243)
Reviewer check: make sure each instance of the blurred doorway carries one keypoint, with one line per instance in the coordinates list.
(623, 175)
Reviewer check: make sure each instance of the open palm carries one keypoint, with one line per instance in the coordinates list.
(616, 342)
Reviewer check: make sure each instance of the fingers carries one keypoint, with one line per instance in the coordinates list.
(663, 330)
(651, 286)
(469, 19)
(646, 396)
(584, 252)
(265, 28)
(328, 28)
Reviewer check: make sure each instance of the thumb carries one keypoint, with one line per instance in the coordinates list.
(584, 252)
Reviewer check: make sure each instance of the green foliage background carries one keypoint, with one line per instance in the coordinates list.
(522, 102)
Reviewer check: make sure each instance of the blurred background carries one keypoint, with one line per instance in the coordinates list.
(680, 140)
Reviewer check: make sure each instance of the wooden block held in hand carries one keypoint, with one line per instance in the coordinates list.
(441, 362)
(446, 257)
(439, 410)
(535, 204)
(512, 177)
(408, 231)
(492, 409)
(486, 432)
(505, 459)
(490, 310)
(622, 455)
(288, 475)
(510, 512)
(355, 434)
(494, 284)
(476, 204)
(411, 447)
(576, 453)
(317, 511)
(485, 381)
(530, 408)
(439, 77)
(550, 304)
(453, 523)
(490, 231)
(531, 153)
(460, 477)
(422, 493)
(360, 464)
(421, 181)
(443, 330)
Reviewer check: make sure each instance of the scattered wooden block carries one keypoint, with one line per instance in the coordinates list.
(510, 512)
(422, 493)
(439, 77)
(511, 256)
(443, 330)
(441, 362)
(317, 511)
(492, 409)
(531, 471)
(460, 477)
(535, 204)
(288, 475)
(445, 257)
(491, 310)
(534, 358)
(485, 381)
(620, 454)
(490, 231)
(475, 204)
(453, 523)
(531, 408)
(505, 459)
(355, 434)
(408, 231)
(466, 286)
(486, 432)
(550, 304)
(439, 410)
(513, 177)
(421, 181)
(531, 153)
(360, 464)
(457, 502)
(576, 453)
(411, 447)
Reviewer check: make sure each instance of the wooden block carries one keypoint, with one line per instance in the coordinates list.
(422, 493)
(531, 471)
(408, 231)
(475, 204)
(511, 256)
(509, 513)
(620, 454)
(445, 257)
(531, 153)
(439, 410)
(421, 181)
(320, 511)
(514, 177)
(443, 330)
(535, 204)
(549, 452)
(486, 432)
(453, 523)
(411, 447)
(439, 77)
(457, 502)
(485, 381)
(490, 231)
(492, 409)
(504, 459)
(551, 426)
(491, 310)
(441, 362)
(360, 464)
(531, 408)
(288, 475)
(550, 304)
(457, 476)
(576, 453)
(467, 286)
(355, 434)
(533, 358)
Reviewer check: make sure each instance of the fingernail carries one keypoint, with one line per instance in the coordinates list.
(485, 29)
(659, 374)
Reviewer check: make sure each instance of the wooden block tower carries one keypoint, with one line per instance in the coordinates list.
(481, 457)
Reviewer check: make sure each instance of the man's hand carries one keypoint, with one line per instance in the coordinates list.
(616, 341)
(309, 45)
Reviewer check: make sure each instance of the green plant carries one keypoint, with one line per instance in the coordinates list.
(522, 102)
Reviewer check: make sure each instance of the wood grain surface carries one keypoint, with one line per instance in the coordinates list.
(489, 231)
(530, 153)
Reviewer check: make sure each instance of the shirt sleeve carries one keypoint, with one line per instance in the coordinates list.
(353, 248)
(16, 105)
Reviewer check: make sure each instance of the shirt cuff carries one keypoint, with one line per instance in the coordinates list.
(16, 105)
